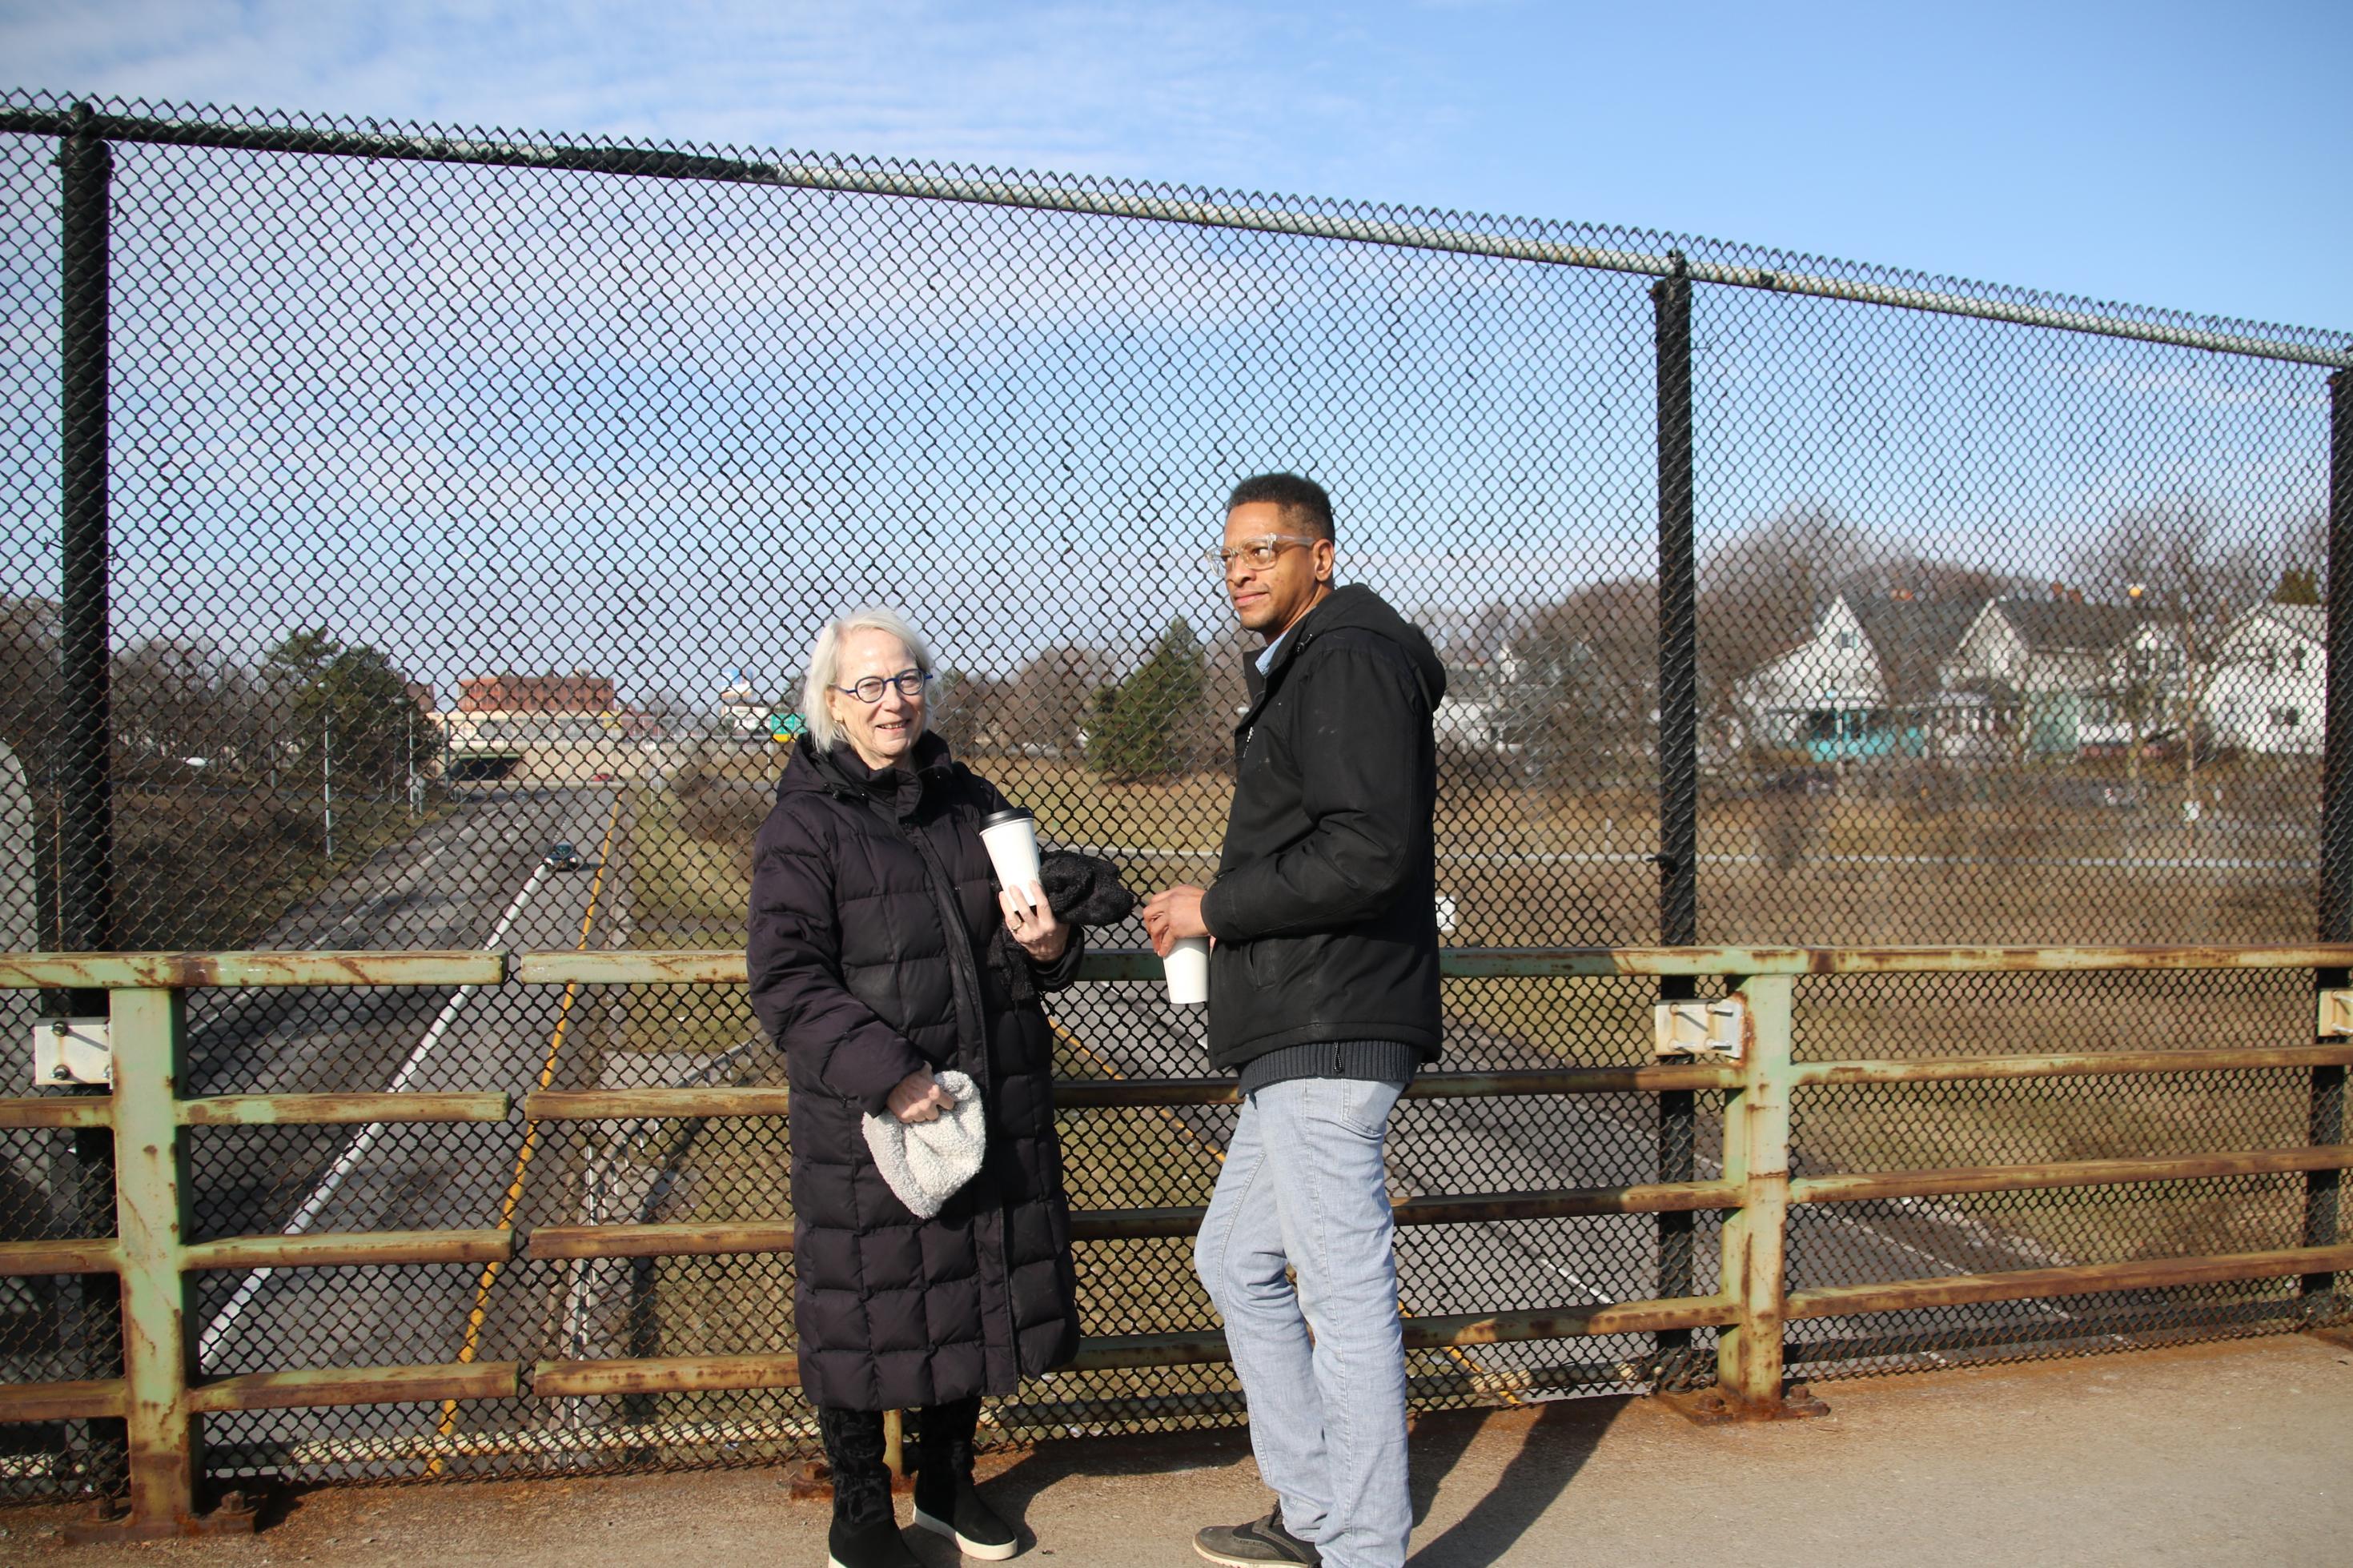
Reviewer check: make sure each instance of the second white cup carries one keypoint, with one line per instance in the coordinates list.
(1187, 968)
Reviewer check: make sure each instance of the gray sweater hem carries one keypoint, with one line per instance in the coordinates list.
(1381, 1061)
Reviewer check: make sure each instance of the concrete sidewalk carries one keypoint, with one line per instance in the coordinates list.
(2209, 1454)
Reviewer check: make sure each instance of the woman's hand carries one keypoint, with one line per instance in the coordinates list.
(919, 1097)
(1032, 922)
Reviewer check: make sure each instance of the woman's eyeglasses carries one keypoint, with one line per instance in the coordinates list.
(907, 683)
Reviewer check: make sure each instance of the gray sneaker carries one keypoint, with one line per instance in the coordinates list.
(1260, 1540)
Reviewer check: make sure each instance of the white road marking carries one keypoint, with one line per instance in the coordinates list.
(304, 1218)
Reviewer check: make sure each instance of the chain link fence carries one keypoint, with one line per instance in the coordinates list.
(413, 535)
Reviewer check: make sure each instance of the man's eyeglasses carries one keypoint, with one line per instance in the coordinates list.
(907, 682)
(1260, 552)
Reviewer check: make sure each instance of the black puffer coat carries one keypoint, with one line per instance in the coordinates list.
(877, 948)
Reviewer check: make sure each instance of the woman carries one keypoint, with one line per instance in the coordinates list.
(881, 951)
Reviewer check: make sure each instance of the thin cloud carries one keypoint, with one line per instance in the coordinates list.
(1129, 91)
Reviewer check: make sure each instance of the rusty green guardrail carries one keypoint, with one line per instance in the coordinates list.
(162, 1400)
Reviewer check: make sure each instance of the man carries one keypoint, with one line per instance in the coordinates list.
(1324, 998)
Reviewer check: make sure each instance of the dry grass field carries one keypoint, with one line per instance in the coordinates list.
(215, 870)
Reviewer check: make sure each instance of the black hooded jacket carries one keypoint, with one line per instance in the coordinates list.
(877, 947)
(1324, 903)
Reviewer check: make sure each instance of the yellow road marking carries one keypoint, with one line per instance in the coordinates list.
(513, 1199)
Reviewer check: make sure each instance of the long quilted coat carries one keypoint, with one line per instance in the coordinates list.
(877, 947)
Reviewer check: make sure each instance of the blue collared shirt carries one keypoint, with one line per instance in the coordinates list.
(1266, 655)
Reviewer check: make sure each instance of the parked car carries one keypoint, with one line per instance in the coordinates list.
(562, 857)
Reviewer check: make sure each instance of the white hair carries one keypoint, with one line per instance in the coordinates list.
(825, 665)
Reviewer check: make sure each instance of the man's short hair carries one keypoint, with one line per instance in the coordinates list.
(1304, 505)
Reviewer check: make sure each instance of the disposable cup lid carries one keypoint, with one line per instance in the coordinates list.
(1011, 814)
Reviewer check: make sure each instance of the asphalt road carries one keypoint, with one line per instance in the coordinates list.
(475, 880)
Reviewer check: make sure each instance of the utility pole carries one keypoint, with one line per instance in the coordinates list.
(327, 779)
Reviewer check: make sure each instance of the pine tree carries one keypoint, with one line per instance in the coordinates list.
(1145, 726)
(351, 698)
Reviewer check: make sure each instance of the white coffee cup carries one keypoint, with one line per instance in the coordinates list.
(1011, 838)
(1187, 968)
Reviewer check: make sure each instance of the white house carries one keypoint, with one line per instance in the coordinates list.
(1865, 683)
(2067, 674)
(2269, 683)
(1472, 715)
(1832, 676)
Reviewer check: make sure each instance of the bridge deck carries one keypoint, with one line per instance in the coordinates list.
(2205, 1454)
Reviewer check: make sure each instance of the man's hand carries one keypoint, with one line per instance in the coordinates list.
(1173, 914)
(919, 1097)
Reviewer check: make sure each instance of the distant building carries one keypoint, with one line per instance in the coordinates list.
(2269, 685)
(497, 711)
(578, 692)
(1866, 684)
(1473, 714)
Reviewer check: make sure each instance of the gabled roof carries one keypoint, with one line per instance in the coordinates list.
(1912, 638)
(2049, 624)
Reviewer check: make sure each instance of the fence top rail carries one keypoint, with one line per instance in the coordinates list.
(1646, 255)
(724, 966)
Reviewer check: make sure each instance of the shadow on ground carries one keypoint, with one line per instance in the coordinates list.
(1554, 1448)
(1013, 1489)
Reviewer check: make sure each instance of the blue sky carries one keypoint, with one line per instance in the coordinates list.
(534, 406)
(2187, 156)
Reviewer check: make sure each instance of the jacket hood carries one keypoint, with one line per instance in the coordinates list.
(1357, 608)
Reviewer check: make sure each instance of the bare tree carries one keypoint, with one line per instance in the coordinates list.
(185, 698)
(29, 689)
(966, 709)
(1583, 694)
(1046, 709)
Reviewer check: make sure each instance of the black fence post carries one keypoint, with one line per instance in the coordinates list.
(1678, 855)
(86, 773)
(85, 770)
(2322, 1188)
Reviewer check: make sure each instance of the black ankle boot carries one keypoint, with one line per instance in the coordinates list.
(945, 1501)
(865, 1532)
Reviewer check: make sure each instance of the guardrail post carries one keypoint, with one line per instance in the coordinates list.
(1755, 1236)
(151, 1208)
(1678, 854)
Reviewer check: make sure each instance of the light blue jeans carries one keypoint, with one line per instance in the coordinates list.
(1302, 1187)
